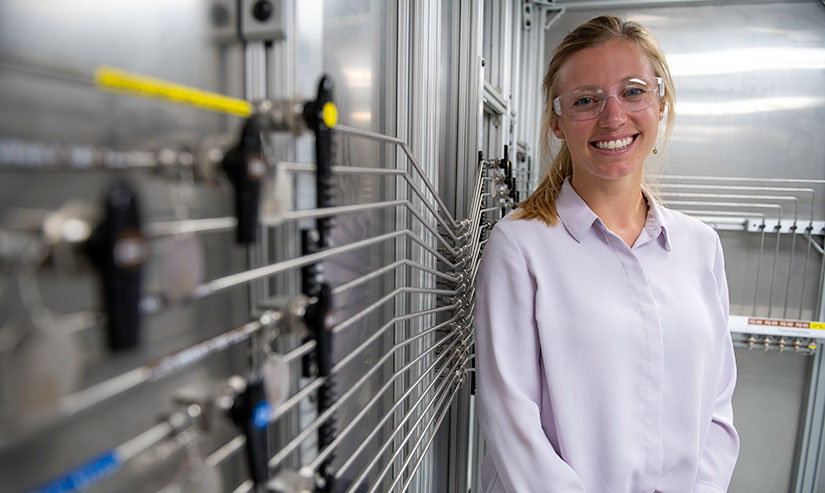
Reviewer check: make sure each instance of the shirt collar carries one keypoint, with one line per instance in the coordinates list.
(578, 218)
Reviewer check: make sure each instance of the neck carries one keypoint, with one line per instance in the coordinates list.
(620, 203)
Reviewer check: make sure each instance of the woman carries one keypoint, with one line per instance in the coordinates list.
(605, 363)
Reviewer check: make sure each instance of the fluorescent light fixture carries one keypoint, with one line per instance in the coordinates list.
(746, 60)
(748, 106)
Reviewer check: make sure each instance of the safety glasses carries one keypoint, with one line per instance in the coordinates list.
(633, 94)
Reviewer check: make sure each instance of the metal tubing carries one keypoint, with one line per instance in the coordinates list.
(761, 245)
(225, 451)
(315, 384)
(38, 156)
(77, 402)
(372, 307)
(296, 398)
(337, 169)
(746, 206)
(190, 226)
(139, 444)
(440, 393)
(323, 417)
(323, 454)
(300, 351)
(245, 487)
(211, 287)
(815, 244)
(793, 234)
(355, 352)
(387, 268)
(385, 138)
(216, 285)
(378, 426)
(415, 446)
(331, 211)
(725, 178)
(349, 209)
(423, 450)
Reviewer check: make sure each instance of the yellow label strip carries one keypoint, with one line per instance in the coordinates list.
(788, 324)
(114, 80)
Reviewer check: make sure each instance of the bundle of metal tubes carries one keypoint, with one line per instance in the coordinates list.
(432, 375)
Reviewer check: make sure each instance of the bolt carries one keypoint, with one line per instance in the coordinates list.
(262, 10)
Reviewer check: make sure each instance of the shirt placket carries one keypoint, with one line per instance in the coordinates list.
(652, 389)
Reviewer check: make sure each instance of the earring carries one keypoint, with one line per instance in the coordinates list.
(655, 150)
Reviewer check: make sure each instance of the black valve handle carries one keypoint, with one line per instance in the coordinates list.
(250, 412)
(118, 248)
(245, 167)
(508, 167)
(321, 117)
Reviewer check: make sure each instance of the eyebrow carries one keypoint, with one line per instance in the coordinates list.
(593, 87)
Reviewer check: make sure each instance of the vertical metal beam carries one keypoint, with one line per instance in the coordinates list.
(402, 110)
(471, 83)
(812, 448)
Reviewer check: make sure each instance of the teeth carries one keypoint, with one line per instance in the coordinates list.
(614, 144)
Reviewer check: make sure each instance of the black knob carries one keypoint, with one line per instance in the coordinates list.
(262, 10)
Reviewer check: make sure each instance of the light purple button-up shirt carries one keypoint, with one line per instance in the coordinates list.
(604, 368)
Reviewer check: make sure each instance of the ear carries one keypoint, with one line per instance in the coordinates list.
(661, 111)
(557, 131)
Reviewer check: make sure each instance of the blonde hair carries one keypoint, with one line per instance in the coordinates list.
(541, 204)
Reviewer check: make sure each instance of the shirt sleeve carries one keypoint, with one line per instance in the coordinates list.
(722, 447)
(508, 371)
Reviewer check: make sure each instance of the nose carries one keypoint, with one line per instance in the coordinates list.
(613, 114)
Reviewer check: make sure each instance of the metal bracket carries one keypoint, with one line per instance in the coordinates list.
(786, 226)
(263, 20)
(551, 16)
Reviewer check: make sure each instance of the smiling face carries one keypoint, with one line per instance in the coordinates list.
(615, 144)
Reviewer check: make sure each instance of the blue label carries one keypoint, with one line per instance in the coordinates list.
(260, 416)
(84, 475)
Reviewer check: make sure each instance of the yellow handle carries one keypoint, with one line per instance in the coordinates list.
(111, 79)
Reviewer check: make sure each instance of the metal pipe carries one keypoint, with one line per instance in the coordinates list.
(116, 457)
(372, 307)
(315, 384)
(377, 427)
(41, 156)
(423, 451)
(294, 166)
(77, 402)
(746, 206)
(761, 245)
(330, 211)
(324, 416)
(296, 398)
(440, 393)
(325, 453)
(815, 244)
(225, 451)
(211, 287)
(734, 179)
(378, 333)
(300, 351)
(793, 234)
(189, 226)
(387, 268)
(443, 400)
(245, 487)
(385, 138)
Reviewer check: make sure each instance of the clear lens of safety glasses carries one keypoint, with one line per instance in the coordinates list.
(588, 103)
